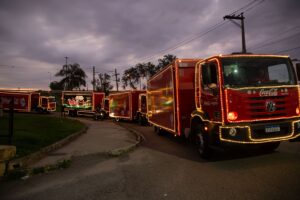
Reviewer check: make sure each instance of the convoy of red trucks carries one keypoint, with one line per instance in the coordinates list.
(227, 99)
(84, 103)
(27, 101)
(124, 105)
(218, 101)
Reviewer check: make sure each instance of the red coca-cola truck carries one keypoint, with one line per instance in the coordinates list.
(82, 103)
(141, 115)
(104, 112)
(227, 99)
(124, 105)
(27, 101)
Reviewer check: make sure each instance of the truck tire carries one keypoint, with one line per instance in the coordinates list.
(202, 142)
(270, 147)
(73, 113)
(140, 120)
(158, 130)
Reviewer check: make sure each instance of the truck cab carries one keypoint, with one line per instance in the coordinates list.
(47, 104)
(141, 115)
(245, 99)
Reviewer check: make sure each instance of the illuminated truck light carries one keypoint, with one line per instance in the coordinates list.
(232, 116)
(297, 111)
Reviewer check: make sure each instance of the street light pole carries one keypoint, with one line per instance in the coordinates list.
(49, 77)
(239, 17)
(66, 68)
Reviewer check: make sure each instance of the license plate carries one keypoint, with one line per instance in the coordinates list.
(272, 129)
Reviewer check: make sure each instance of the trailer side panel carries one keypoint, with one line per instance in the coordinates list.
(161, 100)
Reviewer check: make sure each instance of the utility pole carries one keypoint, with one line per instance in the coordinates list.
(239, 17)
(117, 80)
(94, 80)
(66, 72)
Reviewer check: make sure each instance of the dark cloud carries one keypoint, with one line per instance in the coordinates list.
(35, 36)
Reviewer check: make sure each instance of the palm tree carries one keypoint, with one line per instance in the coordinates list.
(74, 76)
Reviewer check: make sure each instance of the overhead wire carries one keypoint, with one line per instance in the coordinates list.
(253, 4)
(274, 41)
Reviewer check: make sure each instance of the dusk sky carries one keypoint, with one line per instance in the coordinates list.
(36, 35)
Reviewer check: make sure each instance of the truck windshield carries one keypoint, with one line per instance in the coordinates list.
(51, 100)
(257, 71)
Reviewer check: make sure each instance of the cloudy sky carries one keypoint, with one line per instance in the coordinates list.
(36, 35)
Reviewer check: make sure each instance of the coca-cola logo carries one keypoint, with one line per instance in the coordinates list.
(268, 92)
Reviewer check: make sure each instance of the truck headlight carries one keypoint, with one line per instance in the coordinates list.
(232, 116)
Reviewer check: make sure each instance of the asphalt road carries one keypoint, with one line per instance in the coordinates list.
(164, 167)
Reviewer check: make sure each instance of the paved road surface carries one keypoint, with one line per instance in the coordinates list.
(167, 168)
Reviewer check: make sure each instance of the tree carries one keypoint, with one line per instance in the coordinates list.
(73, 76)
(165, 61)
(103, 83)
(56, 85)
(130, 78)
(150, 69)
(134, 75)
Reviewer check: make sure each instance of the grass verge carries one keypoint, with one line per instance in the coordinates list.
(33, 131)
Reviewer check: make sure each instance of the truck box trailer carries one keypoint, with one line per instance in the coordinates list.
(84, 103)
(124, 105)
(27, 101)
(238, 99)
(170, 96)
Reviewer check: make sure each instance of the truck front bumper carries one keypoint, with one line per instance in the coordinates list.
(260, 132)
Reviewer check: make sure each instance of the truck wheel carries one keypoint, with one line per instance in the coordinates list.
(158, 130)
(140, 120)
(102, 115)
(270, 147)
(40, 110)
(202, 143)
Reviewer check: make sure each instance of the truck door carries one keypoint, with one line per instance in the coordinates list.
(210, 87)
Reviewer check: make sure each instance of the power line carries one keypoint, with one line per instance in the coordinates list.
(184, 42)
(276, 41)
(201, 34)
(278, 34)
(287, 50)
(245, 6)
(255, 5)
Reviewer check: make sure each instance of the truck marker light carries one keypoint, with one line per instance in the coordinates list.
(232, 116)
(232, 132)
(205, 128)
(297, 111)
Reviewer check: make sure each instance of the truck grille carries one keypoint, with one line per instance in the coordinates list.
(256, 108)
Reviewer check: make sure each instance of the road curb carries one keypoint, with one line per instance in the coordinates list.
(22, 163)
(31, 158)
(119, 151)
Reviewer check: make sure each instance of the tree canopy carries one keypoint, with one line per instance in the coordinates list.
(73, 77)
(134, 75)
(103, 83)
